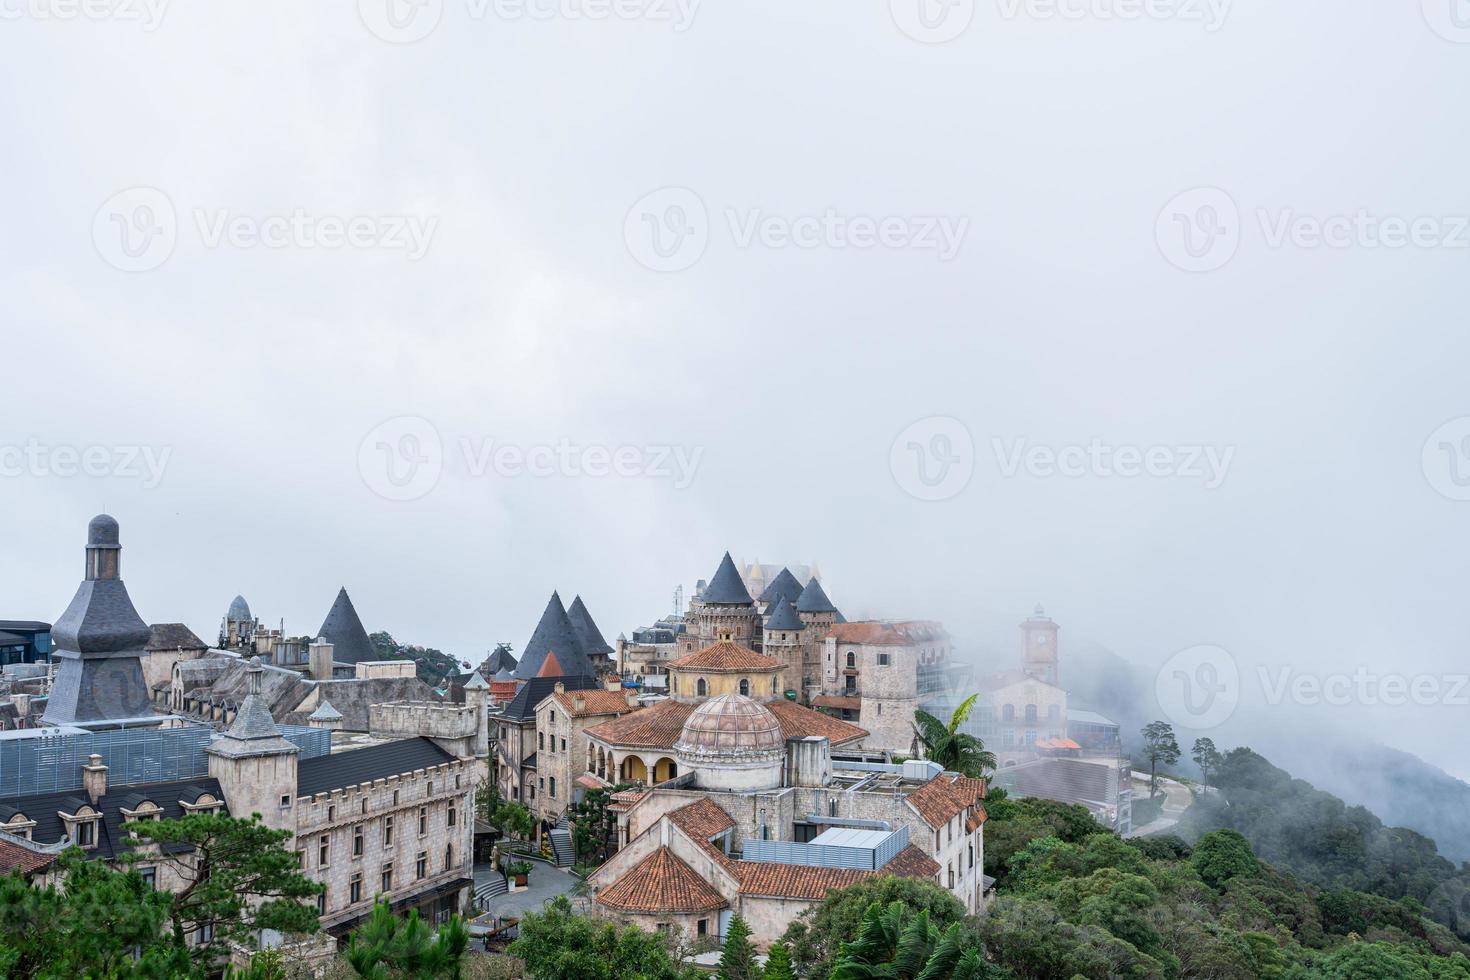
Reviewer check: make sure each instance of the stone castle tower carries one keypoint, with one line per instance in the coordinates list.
(723, 612)
(255, 766)
(1039, 657)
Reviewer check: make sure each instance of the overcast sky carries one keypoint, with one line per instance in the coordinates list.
(825, 281)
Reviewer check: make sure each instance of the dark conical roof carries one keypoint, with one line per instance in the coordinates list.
(500, 659)
(554, 634)
(587, 632)
(785, 585)
(814, 599)
(727, 588)
(784, 618)
(342, 629)
(239, 610)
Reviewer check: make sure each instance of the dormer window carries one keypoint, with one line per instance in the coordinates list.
(81, 827)
(19, 825)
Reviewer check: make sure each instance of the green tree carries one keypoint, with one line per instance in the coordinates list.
(513, 820)
(816, 938)
(1160, 748)
(895, 943)
(1221, 855)
(594, 825)
(953, 749)
(778, 963)
(557, 944)
(388, 946)
(737, 959)
(238, 877)
(1206, 756)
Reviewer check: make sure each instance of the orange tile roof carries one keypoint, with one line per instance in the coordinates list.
(837, 701)
(18, 856)
(793, 880)
(726, 657)
(702, 819)
(661, 884)
(912, 863)
(800, 722)
(599, 702)
(550, 667)
(886, 634)
(655, 727)
(945, 797)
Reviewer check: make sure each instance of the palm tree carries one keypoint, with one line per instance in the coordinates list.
(953, 749)
(895, 944)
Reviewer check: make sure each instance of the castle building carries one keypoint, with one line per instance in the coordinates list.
(562, 719)
(871, 675)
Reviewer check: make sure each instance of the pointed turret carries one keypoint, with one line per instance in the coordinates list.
(784, 585)
(588, 635)
(99, 642)
(343, 629)
(814, 599)
(254, 731)
(554, 633)
(727, 588)
(784, 617)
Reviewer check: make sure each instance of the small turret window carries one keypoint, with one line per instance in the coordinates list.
(701, 688)
(745, 687)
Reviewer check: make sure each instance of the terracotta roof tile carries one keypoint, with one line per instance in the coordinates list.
(887, 634)
(946, 796)
(596, 702)
(655, 727)
(17, 856)
(838, 701)
(800, 722)
(793, 880)
(912, 863)
(661, 884)
(702, 819)
(726, 656)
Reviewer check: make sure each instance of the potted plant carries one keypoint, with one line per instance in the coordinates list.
(520, 871)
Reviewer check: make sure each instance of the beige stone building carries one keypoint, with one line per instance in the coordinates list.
(872, 676)
(562, 720)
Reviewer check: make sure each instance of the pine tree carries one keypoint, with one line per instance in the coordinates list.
(778, 964)
(737, 961)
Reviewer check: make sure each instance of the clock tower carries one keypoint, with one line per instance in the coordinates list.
(1039, 647)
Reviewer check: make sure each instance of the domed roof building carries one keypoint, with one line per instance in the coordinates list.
(239, 610)
(734, 743)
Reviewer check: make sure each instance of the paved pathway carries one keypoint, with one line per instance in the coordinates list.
(1177, 799)
(546, 883)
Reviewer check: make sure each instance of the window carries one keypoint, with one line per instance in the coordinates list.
(775, 685)
(395, 797)
(563, 745)
(204, 934)
(1030, 714)
(423, 820)
(331, 813)
(702, 928)
(700, 688)
(552, 715)
(745, 687)
(882, 660)
(354, 889)
(1008, 712)
(321, 902)
(552, 791)
(324, 850)
(452, 811)
(972, 855)
(448, 857)
(851, 659)
(150, 876)
(357, 841)
(362, 805)
(540, 740)
(387, 877)
(421, 866)
(285, 802)
(387, 831)
(431, 788)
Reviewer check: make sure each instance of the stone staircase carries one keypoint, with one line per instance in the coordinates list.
(491, 889)
(561, 844)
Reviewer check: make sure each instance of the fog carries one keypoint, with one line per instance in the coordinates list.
(907, 256)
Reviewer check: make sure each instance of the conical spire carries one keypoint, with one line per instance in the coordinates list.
(727, 588)
(254, 731)
(784, 617)
(554, 633)
(588, 635)
(784, 585)
(814, 599)
(343, 629)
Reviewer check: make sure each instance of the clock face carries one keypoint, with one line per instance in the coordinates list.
(1041, 641)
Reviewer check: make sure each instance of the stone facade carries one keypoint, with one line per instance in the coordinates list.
(871, 676)
(562, 720)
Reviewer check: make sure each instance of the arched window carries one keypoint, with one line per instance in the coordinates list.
(1030, 714)
(1008, 712)
(775, 685)
(745, 687)
(851, 659)
(701, 688)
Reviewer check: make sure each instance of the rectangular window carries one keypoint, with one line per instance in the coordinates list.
(563, 745)
(423, 820)
(354, 889)
(451, 816)
(321, 902)
(331, 813)
(421, 866)
(882, 660)
(387, 831)
(285, 801)
(150, 876)
(357, 841)
(204, 934)
(448, 857)
(703, 927)
(86, 833)
(324, 849)
(388, 877)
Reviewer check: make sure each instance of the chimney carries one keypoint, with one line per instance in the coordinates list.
(614, 682)
(320, 660)
(560, 688)
(632, 698)
(579, 702)
(94, 778)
